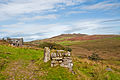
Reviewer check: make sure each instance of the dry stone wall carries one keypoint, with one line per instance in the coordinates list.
(58, 57)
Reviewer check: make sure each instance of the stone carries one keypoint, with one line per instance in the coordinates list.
(53, 55)
(58, 57)
(68, 54)
(108, 69)
(60, 54)
(52, 65)
(70, 65)
(53, 61)
(67, 60)
(56, 65)
(46, 54)
(63, 65)
(60, 61)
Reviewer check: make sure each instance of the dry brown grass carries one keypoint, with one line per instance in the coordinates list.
(107, 48)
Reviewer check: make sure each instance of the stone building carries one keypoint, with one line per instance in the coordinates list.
(58, 57)
(15, 41)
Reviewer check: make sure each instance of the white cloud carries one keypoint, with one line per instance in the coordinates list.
(38, 31)
(39, 10)
(53, 16)
(73, 2)
(94, 26)
(76, 12)
(21, 7)
(29, 6)
(102, 5)
(33, 30)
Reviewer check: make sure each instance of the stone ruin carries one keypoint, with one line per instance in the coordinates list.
(58, 57)
(18, 42)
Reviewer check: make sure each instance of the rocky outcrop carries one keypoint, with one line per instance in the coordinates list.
(58, 57)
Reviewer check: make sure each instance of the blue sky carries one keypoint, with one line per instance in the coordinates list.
(39, 19)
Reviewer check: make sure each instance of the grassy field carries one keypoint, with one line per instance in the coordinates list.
(107, 48)
(27, 64)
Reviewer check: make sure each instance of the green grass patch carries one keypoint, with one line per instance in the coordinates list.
(54, 73)
(69, 43)
(19, 53)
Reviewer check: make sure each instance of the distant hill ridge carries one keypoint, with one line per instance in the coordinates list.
(70, 35)
(74, 37)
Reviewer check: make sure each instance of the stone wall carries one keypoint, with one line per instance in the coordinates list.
(58, 57)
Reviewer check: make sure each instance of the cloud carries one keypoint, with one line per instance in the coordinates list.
(37, 31)
(76, 12)
(39, 12)
(106, 5)
(83, 25)
(112, 20)
(52, 16)
(28, 6)
(34, 31)
(11, 8)
(73, 2)
(94, 26)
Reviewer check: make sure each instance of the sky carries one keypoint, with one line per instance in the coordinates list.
(40, 19)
